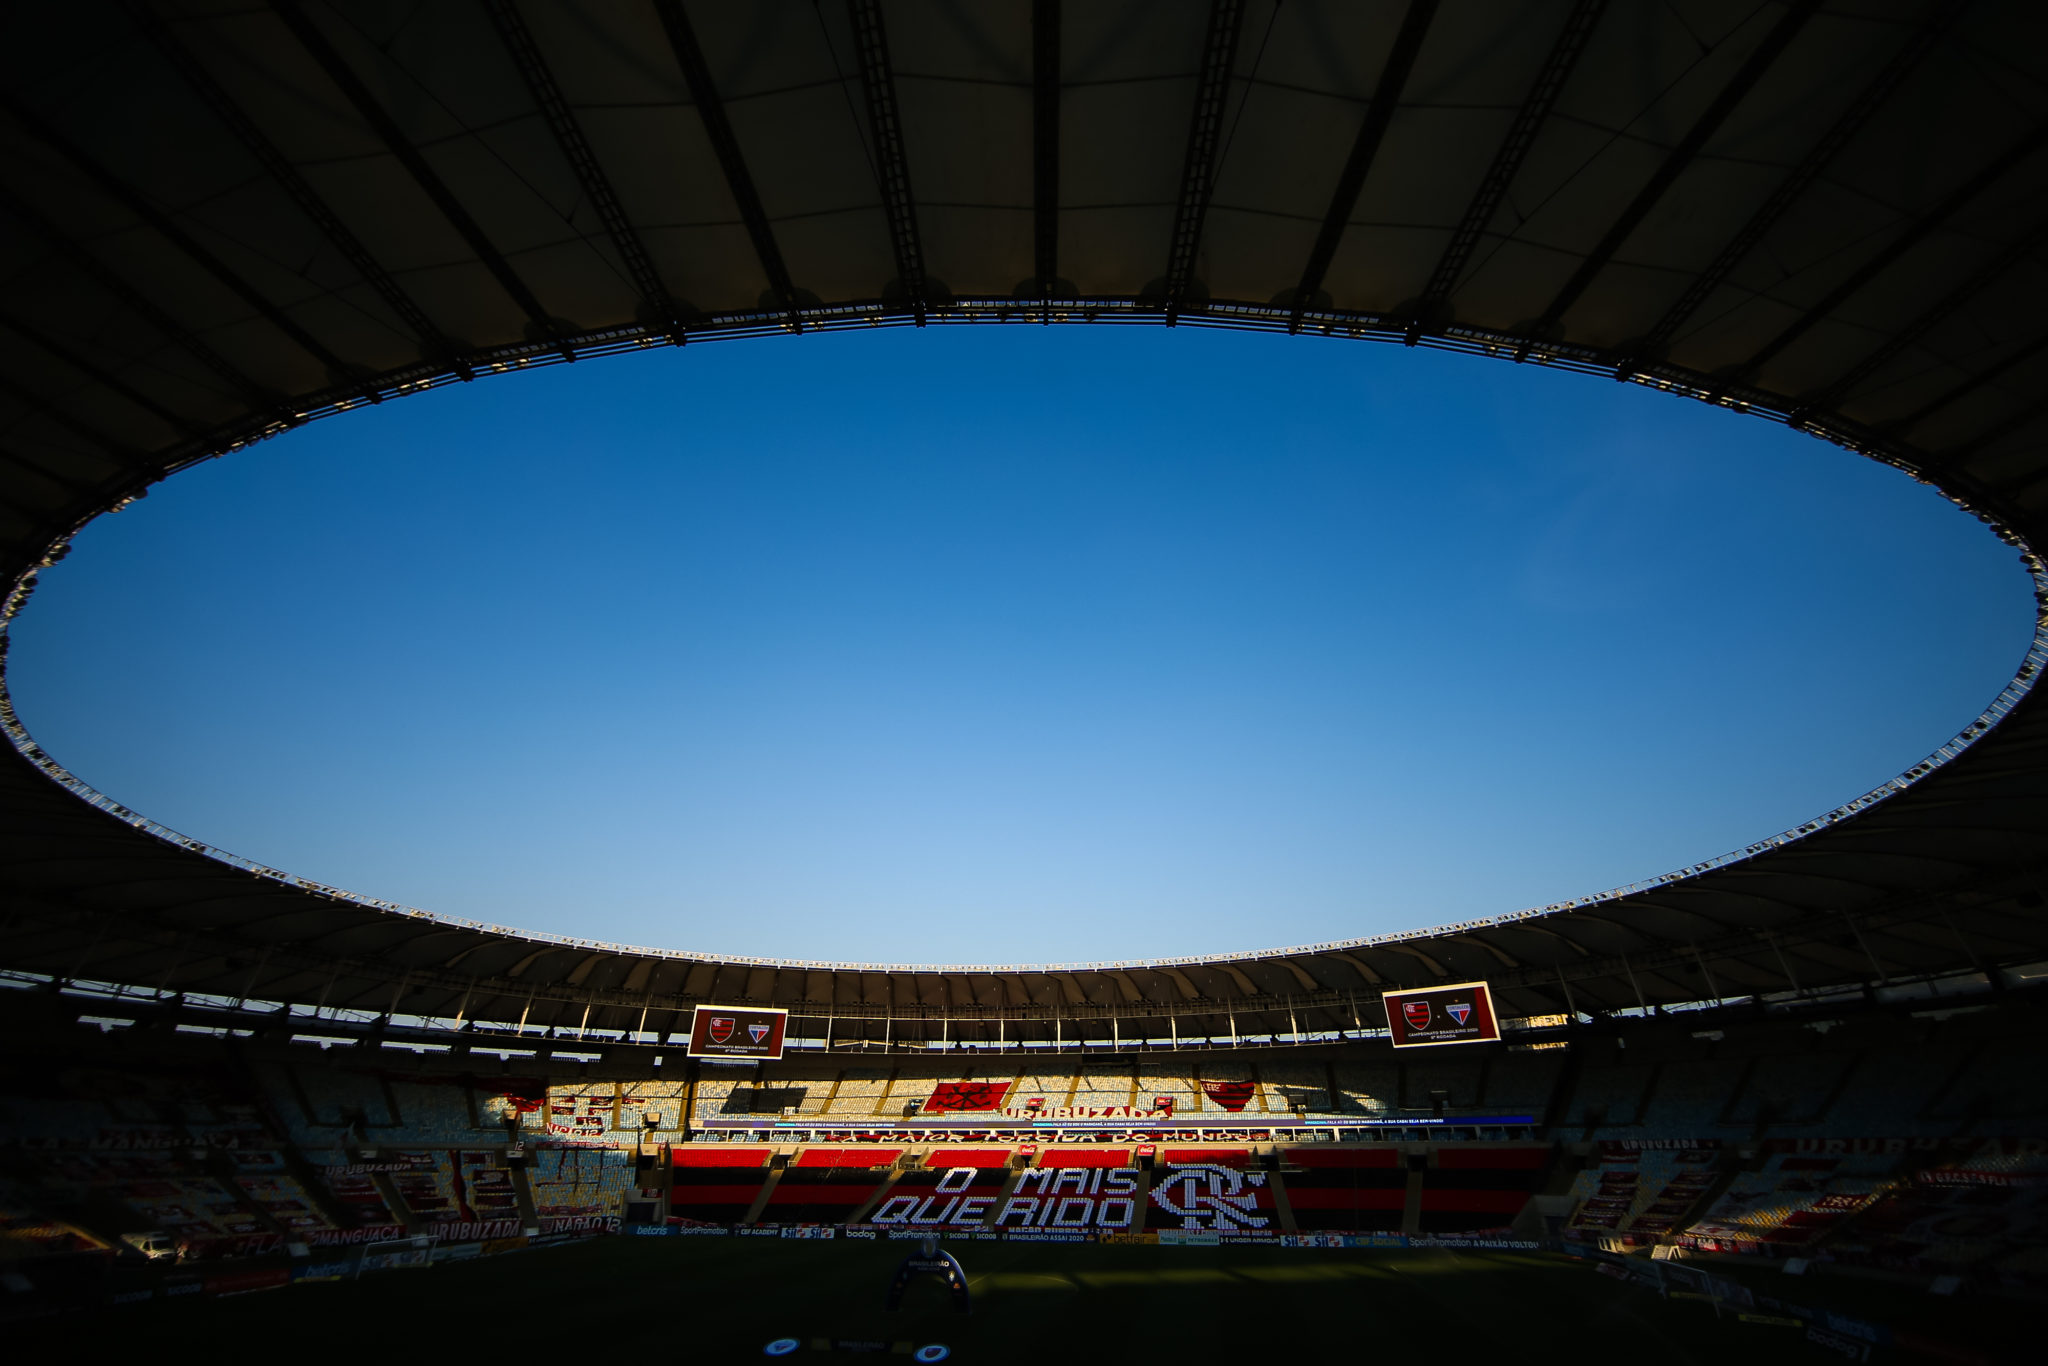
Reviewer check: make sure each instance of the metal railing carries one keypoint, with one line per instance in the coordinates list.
(814, 1032)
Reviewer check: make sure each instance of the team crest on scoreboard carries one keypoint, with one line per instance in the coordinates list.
(733, 1033)
(1453, 1013)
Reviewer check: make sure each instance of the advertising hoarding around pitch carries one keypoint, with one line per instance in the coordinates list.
(737, 1033)
(1427, 1016)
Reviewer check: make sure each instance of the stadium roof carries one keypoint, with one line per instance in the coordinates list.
(219, 221)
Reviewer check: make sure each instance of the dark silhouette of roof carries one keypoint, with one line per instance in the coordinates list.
(218, 222)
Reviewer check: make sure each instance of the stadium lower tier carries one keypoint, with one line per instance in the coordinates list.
(210, 1147)
(1348, 1188)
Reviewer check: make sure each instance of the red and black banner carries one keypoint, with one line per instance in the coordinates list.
(1231, 1095)
(739, 1032)
(1459, 1013)
(955, 1097)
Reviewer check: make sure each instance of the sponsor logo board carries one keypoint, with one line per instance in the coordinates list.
(1175, 1237)
(471, 1230)
(349, 1237)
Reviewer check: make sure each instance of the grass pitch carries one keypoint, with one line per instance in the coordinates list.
(724, 1299)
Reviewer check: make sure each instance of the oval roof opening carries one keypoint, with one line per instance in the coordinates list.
(1014, 646)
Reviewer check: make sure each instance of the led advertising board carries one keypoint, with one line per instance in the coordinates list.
(1429, 1016)
(737, 1033)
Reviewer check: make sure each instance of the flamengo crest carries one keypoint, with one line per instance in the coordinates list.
(1209, 1195)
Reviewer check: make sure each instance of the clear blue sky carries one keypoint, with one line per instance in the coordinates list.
(1003, 644)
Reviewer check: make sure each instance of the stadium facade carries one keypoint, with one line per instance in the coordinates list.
(221, 222)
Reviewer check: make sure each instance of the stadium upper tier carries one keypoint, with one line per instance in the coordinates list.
(219, 222)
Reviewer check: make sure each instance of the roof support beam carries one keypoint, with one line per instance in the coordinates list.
(1378, 114)
(1997, 432)
(287, 178)
(132, 299)
(1915, 232)
(1798, 956)
(400, 146)
(655, 300)
(1205, 132)
(1507, 160)
(9, 456)
(1499, 955)
(129, 198)
(1360, 966)
(1674, 165)
(1817, 159)
(71, 422)
(1582, 916)
(1413, 952)
(1989, 274)
(892, 163)
(1045, 145)
(99, 375)
(1236, 975)
(1804, 870)
(2018, 356)
(1560, 936)
(739, 181)
(1301, 974)
(1706, 921)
